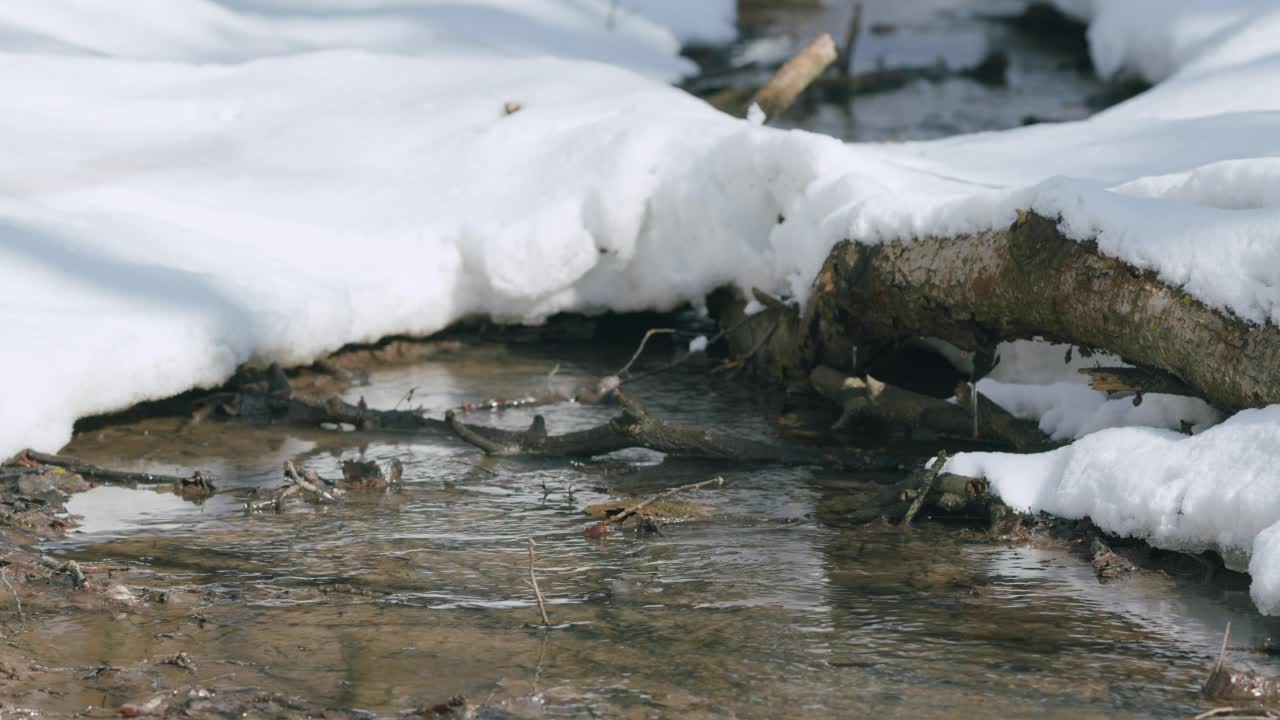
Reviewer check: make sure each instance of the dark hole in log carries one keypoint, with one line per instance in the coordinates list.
(918, 369)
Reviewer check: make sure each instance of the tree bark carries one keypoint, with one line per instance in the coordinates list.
(1030, 281)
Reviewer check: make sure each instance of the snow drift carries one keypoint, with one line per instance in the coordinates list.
(272, 179)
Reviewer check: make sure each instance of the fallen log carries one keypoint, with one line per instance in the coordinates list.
(635, 428)
(862, 397)
(1028, 281)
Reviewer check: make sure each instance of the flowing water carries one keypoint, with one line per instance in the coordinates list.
(765, 605)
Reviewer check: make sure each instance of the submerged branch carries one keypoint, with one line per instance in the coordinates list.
(107, 476)
(635, 428)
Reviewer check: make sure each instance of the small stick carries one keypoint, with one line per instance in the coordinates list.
(481, 468)
(5, 576)
(973, 395)
(533, 580)
(634, 509)
(934, 471)
(643, 342)
(795, 75)
(851, 40)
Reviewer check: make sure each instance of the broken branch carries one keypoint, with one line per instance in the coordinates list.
(107, 476)
(795, 75)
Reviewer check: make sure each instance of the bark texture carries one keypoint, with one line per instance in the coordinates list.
(1030, 281)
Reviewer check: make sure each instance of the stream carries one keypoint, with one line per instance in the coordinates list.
(765, 605)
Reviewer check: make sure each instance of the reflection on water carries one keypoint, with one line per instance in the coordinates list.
(391, 601)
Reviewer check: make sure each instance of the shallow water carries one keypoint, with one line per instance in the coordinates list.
(764, 607)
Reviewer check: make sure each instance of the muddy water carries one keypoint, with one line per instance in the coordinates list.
(765, 606)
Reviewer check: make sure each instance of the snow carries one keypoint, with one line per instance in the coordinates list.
(201, 184)
(1212, 491)
(643, 35)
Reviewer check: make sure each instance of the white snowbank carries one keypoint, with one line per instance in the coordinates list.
(349, 172)
(643, 35)
(1212, 491)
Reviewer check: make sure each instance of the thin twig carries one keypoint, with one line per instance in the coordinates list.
(1222, 654)
(934, 471)
(680, 360)
(635, 509)
(5, 576)
(738, 363)
(851, 39)
(407, 397)
(533, 580)
(644, 341)
(477, 467)
(973, 396)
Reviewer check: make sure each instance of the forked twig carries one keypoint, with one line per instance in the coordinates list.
(644, 341)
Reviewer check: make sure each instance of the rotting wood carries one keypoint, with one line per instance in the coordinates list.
(1138, 380)
(635, 428)
(862, 397)
(795, 75)
(1028, 281)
